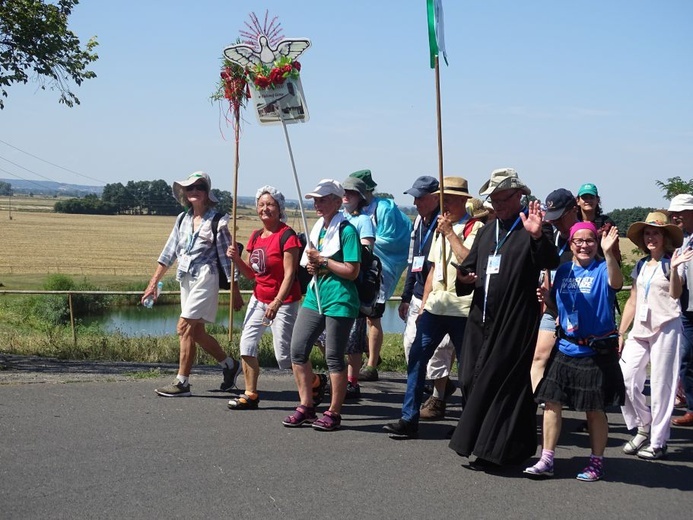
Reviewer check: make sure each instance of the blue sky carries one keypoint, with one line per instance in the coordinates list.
(565, 92)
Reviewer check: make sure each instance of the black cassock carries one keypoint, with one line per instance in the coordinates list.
(498, 421)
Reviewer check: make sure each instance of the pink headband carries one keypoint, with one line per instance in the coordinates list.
(582, 225)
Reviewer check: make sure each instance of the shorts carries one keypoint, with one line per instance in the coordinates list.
(199, 295)
(547, 322)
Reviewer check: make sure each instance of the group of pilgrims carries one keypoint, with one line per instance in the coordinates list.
(520, 293)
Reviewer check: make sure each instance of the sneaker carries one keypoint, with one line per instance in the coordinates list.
(368, 374)
(230, 377)
(175, 389)
(353, 391)
(638, 442)
(319, 391)
(433, 409)
(540, 469)
(591, 473)
(402, 430)
(652, 453)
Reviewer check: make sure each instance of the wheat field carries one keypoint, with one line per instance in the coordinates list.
(122, 245)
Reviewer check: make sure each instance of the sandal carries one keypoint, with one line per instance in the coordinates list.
(632, 447)
(244, 402)
(302, 415)
(328, 422)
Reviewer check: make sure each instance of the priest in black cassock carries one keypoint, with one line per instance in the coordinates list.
(498, 422)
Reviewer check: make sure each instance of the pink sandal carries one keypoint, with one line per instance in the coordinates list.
(328, 422)
(302, 415)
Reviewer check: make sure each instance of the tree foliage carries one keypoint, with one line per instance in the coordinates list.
(5, 188)
(134, 198)
(675, 186)
(35, 43)
(625, 217)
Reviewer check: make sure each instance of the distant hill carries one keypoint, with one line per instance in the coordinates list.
(52, 188)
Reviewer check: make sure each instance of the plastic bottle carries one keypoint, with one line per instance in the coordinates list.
(149, 301)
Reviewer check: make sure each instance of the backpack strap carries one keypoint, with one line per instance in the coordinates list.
(288, 233)
(253, 239)
(666, 265)
(468, 226)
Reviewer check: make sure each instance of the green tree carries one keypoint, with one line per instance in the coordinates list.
(675, 186)
(35, 40)
(5, 188)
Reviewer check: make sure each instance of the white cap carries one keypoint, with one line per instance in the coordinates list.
(326, 187)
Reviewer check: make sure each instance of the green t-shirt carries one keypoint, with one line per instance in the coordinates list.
(338, 296)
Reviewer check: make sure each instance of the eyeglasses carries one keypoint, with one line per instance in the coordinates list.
(584, 242)
(199, 187)
(499, 200)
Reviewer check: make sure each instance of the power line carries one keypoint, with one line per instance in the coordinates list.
(26, 180)
(52, 164)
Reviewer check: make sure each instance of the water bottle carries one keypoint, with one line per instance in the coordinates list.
(149, 300)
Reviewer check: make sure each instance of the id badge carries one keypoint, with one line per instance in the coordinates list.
(184, 263)
(572, 322)
(553, 275)
(644, 312)
(438, 274)
(493, 265)
(417, 264)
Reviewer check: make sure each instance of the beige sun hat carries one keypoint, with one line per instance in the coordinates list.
(179, 187)
(501, 180)
(659, 220)
(455, 186)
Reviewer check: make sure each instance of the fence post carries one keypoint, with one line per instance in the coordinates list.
(72, 320)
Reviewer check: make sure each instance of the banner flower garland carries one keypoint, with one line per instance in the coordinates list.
(264, 76)
(232, 86)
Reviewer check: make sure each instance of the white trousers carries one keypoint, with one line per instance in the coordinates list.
(661, 351)
(439, 365)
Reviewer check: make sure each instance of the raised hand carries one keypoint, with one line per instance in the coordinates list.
(609, 239)
(532, 221)
(682, 257)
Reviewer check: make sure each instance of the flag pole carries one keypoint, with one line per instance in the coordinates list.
(440, 159)
(234, 207)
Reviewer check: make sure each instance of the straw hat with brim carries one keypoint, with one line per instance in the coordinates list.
(659, 220)
(475, 207)
(179, 187)
(455, 186)
(501, 180)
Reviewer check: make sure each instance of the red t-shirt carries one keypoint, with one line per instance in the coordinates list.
(266, 258)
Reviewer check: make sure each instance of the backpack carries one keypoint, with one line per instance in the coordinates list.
(369, 279)
(302, 273)
(666, 265)
(223, 282)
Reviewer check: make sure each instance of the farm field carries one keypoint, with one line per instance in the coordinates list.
(107, 250)
(102, 248)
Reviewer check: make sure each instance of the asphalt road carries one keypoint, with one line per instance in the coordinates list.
(82, 440)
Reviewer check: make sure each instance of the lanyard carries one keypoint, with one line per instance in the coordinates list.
(501, 242)
(562, 250)
(649, 280)
(487, 282)
(193, 236)
(428, 232)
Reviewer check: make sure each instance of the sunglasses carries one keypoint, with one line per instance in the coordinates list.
(198, 187)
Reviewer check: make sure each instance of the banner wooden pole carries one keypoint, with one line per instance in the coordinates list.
(440, 161)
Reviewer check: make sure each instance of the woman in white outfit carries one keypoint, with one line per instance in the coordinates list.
(653, 309)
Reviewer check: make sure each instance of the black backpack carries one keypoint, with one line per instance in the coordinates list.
(369, 279)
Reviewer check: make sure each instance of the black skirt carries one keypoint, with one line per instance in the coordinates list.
(584, 383)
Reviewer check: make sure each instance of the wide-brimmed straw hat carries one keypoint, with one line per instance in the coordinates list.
(501, 180)
(455, 186)
(179, 187)
(658, 220)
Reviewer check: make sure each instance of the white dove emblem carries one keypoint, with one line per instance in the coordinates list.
(246, 55)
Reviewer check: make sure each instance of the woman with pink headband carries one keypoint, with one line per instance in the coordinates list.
(583, 370)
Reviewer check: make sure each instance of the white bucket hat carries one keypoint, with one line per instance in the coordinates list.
(179, 187)
(501, 180)
(683, 202)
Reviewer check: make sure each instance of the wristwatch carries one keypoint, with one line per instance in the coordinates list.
(324, 263)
